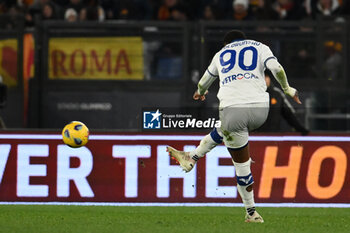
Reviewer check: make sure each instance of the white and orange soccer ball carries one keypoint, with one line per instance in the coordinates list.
(75, 134)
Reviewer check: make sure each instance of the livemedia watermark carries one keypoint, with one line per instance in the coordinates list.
(175, 119)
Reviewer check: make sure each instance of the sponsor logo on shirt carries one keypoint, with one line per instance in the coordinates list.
(238, 77)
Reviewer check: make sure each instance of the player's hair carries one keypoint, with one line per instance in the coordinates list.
(234, 35)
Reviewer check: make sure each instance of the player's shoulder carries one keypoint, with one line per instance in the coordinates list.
(217, 54)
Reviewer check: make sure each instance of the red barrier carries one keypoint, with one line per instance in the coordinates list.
(136, 168)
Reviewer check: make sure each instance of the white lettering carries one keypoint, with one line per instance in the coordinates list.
(173, 123)
(165, 172)
(78, 175)
(131, 155)
(206, 123)
(25, 170)
(181, 124)
(190, 122)
(214, 171)
(164, 124)
(199, 124)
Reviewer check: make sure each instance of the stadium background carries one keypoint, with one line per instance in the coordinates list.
(105, 68)
(163, 60)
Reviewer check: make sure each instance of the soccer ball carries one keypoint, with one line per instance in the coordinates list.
(75, 134)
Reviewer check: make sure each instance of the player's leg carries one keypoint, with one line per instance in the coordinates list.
(235, 124)
(209, 142)
(242, 162)
(187, 160)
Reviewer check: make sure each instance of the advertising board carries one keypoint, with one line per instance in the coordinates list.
(135, 168)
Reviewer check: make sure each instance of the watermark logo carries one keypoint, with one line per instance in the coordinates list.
(178, 119)
(152, 119)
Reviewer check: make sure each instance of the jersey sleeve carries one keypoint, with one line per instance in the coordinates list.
(208, 77)
(212, 68)
(266, 54)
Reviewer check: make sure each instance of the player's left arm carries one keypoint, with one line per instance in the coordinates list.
(280, 75)
(209, 76)
(271, 63)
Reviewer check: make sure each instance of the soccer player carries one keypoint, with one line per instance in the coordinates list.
(244, 106)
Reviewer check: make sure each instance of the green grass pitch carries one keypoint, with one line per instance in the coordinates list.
(37, 218)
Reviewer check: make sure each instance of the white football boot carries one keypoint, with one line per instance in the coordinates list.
(182, 157)
(254, 218)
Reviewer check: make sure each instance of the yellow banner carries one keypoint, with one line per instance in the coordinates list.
(118, 58)
(8, 62)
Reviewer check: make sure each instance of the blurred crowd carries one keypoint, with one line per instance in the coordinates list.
(178, 10)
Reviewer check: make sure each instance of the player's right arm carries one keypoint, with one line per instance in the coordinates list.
(205, 82)
(203, 85)
(280, 75)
